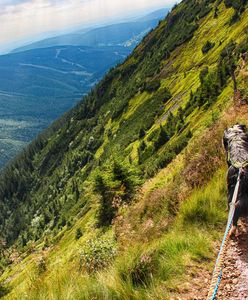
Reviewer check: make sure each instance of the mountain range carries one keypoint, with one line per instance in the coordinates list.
(128, 34)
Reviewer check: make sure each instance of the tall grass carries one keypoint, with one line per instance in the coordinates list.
(147, 271)
(206, 207)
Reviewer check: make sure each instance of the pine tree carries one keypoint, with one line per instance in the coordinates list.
(162, 139)
(78, 234)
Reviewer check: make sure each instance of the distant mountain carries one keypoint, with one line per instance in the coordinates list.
(127, 34)
(49, 77)
(157, 14)
(37, 86)
(52, 75)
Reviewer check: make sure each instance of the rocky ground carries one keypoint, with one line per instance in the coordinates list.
(234, 283)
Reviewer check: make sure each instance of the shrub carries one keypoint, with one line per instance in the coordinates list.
(162, 139)
(151, 85)
(208, 46)
(3, 290)
(78, 234)
(170, 152)
(163, 95)
(41, 265)
(142, 133)
(106, 211)
(153, 135)
(203, 74)
(145, 154)
(142, 146)
(235, 17)
(97, 254)
(139, 268)
(116, 184)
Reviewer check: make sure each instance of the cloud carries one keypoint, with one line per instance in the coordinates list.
(21, 19)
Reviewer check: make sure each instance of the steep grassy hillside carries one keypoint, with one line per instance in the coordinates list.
(124, 197)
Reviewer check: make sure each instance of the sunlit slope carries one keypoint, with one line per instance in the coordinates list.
(124, 197)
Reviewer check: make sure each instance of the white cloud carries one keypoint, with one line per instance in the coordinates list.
(23, 18)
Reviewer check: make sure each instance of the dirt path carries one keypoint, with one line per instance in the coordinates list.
(234, 283)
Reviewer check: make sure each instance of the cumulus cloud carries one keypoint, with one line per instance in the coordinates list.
(23, 18)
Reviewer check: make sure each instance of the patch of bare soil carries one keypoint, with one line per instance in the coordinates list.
(196, 287)
(234, 283)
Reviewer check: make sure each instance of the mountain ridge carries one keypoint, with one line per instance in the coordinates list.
(92, 37)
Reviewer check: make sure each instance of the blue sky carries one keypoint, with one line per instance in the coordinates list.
(24, 19)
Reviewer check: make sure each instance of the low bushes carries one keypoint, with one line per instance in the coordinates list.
(96, 254)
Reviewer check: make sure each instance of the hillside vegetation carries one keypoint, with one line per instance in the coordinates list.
(124, 197)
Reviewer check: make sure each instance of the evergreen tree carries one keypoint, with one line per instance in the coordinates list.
(78, 234)
(142, 133)
(163, 138)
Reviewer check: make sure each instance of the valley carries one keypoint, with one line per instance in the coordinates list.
(47, 82)
(41, 81)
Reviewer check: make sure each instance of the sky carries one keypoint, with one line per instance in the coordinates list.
(26, 19)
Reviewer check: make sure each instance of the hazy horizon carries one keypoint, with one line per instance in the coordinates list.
(40, 19)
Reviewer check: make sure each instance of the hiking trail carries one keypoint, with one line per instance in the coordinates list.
(234, 283)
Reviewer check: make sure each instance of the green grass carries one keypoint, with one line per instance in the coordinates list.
(151, 264)
(143, 270)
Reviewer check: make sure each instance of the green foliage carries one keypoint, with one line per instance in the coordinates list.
(170, 151)
(78, 234)
(206, 208)
(36, 186)
(107, 210)
(213, 83)
(235, 17)
(142, 146)
(162, 138)
(41, 265)
(45, 188)
(239, 7)
(51, 185)
(3, 290)
(151, 85)
(116, 184)
(140, 268)
(207, 47)
(144, 117)
(96, 254)
(142, 133)
(216, 12)
(144, 152)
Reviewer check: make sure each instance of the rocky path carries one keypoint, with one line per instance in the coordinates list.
(234, 283)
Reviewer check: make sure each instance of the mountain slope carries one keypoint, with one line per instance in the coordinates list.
(124, 196)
